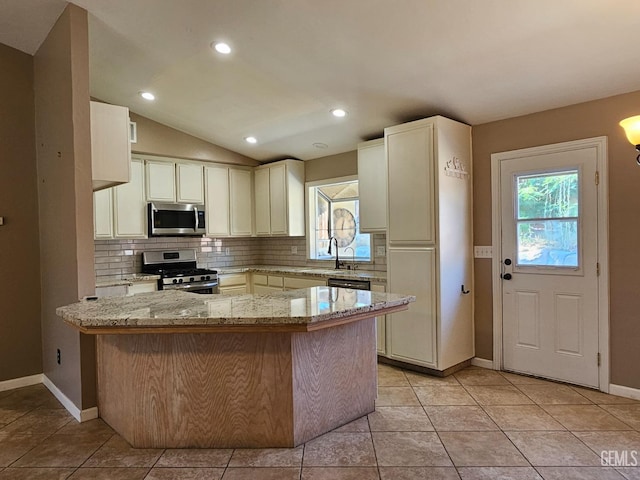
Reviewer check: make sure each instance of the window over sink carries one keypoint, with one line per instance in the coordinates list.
(333, 211)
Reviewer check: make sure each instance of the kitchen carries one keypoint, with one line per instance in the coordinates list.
(59, 254)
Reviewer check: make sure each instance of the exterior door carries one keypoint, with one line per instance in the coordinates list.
(550, 265)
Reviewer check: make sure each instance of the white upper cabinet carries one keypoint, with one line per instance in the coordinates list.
(372, 186)
(241, 202)
(279, 198)
(103, 214)
(189, 183)
(129, 205)
(161, 181)
(410, 184)
(217, 201)
(110, 146)
(263, 210)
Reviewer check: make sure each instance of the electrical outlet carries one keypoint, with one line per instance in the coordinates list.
(227, 251)
(294, 249)
(483, 251)
(380, 251)
(58, 356)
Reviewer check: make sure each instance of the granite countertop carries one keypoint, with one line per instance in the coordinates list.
(175, 308)
(380, 277)
(128, 280)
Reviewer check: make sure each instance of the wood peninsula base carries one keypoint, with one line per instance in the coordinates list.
(235, 390)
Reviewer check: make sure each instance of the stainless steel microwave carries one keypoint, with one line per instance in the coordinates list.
(175, 219)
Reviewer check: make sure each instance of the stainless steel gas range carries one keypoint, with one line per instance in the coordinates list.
(178, 270)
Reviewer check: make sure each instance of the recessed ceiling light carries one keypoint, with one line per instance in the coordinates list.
(339, 112)
(320, 145)
(251, 139)
(148, 96)
(222, 47)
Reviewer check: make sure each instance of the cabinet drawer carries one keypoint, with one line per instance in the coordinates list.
(293, 283)
(275, 281)
(238, 289)
(259, 279)
(232, 279)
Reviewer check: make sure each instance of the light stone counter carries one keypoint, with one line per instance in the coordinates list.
(378, 277)
(170, 308)
(128, 280)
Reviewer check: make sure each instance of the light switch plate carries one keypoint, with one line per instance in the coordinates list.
(483, 251)
(1, 221)
(294, 249)
(227, 251)
(380, 251)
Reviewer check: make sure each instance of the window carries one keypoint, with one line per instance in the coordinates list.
(547, 219)
(333, 213)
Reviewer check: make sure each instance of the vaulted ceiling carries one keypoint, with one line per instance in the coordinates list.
(384, 61)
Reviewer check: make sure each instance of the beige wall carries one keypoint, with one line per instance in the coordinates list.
(61, 72)
(591, 119)
(157, 139)
(20, 346)
(333, 166)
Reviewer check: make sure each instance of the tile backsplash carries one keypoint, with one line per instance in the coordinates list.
(117, 258)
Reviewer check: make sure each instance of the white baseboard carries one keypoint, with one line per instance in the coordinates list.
(79, 415)
(21, 382)
(623, 391)
(482, 362)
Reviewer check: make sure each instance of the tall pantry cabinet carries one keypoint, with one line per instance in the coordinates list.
(429, 241)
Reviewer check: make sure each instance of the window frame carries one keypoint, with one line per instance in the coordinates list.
(311, 220)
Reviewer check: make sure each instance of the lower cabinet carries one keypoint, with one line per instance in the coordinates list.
(261, 283)
(293, 283)
(232, 283)
(142, 287)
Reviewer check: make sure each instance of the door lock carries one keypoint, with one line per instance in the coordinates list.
(507, 275)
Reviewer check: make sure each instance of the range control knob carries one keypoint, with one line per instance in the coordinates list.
(175, 280)
(180, 281)
(191, 279)
(202, 278)
(208, 277)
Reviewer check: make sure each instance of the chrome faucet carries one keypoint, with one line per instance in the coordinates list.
(353, 265)
(334, 239)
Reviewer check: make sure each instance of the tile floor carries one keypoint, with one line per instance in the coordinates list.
(477, 424)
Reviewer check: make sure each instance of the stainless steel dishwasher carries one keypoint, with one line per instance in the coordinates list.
(348, 283)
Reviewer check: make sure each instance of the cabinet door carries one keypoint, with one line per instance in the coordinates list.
(130, 213)
(278, 199)
(217, 201)
(372, 186)
(411, 185)
(381, 325)
(412, 333)
(262, 202)
(102, 214)
(142, 287)
(110, 146)
(161, 181)
(258, 289)
(189, 183)
(240, 195)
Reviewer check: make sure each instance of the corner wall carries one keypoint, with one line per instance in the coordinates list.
(585, 120)
(20, 345)
(63, 143)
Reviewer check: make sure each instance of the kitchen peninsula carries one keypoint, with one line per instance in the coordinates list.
(177, 370)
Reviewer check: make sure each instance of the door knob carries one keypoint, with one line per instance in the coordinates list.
(506, 276)
(507, 261)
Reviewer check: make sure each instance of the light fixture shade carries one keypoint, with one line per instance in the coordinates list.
(631, 127)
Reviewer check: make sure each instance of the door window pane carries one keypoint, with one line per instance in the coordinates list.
(548, 196)
(547, 219)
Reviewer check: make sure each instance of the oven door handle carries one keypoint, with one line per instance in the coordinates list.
(186, 286)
